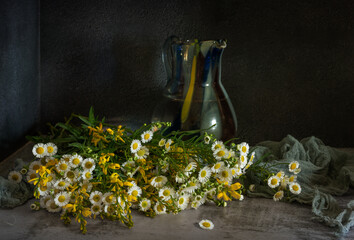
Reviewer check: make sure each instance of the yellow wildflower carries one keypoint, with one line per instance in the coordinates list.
(86, 212)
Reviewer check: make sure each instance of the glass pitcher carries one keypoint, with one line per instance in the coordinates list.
(194, 97)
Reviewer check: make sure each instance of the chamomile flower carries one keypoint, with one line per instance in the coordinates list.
(96, 197)
(75, 160)
(63, 166)
(200, 199)
(146, 136)
(293, 166)
(43, 190)
(96, 208)
(183, 201)
(196, 204)
(142, 153)
(206, 139)
(71, 176)
(236, 171)
(109, 209)
(284, 181)
(180, 178)
(145, 204)
(86, 185)
(34, 166)
(168, 145)
(87, 175)
(31, 175)
(52, 207)
(51, 178)
(292, 178)
(217, 145)
(204, 174)
(128, 166)
(280, 174)
(107, 198)
(51, 148)
(244, 148)
(66, 158)
(206, 224)
(166, 193)
(191, 187)
(15, 176)
(158, 181)
(278, 196)
(162, 142)
(39, 150)
(217, 167)
(295, 188)
(43, 201)
(135, 146)
(135, 191)
(243, 161)
(160, 208)
(62, 198)
(190, 167)
(61, 184)
(220, 153)
(225, 174)
(88, 164)
(273, 181)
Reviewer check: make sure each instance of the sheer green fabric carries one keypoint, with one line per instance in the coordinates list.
(325, 172)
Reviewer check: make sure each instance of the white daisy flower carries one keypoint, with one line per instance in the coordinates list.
(15, 176)
(34, 166)
(52, 207)
(31, 175)
(243, 161)
(43, 190)
(295, 188)
(191, 166)
(160, 208)
(244, 148)
(200, 199)
(292, 178)
(206, 139)
(62, 198)
(128, 166)
(135, 146)
(183, 201)
(71, 176)
(89, 164)
(109, 209)
(273, 181)
(196, 204)
(135, 191)
(236, 171)
(75, 160)
(220, 153)
(217, 166)
(107, 198)
(241, 197)
(280, 174)
(168, 145)
(166, 193)
(162, 142)
(253, 154)
(225, 174)
(39, 150)
(191, 187)
(217, 145)
(204, 175)
(87, 175)
(66, 158)
(180, 178)
(158, 181)
(52, 178)
(297, 170)
(142, 153)
(206, 224)
(145, 204)
(293, 166)
(96, 197)
(146, 136)
(61, 184)
(284, 181)
(87, 185)
(278, 196)
(51, 148)
(43, 201)
(96, 208)
(63, 166)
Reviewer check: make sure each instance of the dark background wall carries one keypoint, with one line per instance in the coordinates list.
(19, 72)
(288, 67)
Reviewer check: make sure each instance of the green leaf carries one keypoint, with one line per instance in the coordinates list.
(91, 116)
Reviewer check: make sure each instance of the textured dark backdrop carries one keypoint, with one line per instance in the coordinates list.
(288, 67)
(19, 72)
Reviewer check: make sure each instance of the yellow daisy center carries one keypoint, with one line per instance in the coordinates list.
(159, 208)
(66, 159)
(43, 188)
(244, 149)
(158, 179)
(206, 224)
(61, 198)
(217, 146)
(295, 187)
(53, 205)
(141, 152)
(50, 149)
(181, 201)
(192, 184)
(221, 153)
(293, 166)
(96, 198)
(279, 174)
(217, 166)
(135, 193)
(76, 161)
(225, 174)
(147, 136)
(40, 150)
(242, 158)
(278, 195)
(135, 146)
(274, 181)
(291, 179)
(166, 193)
(233, 171)
(70, 175)
(88, 165)
(109, 198)
(144, 204)
(161, 143)
(63, 166)
(50, 178)
(61, 184)
(88, 175)
(203, 174)
(167, 145)
(33, 176)
(96, 208)
(14, 177)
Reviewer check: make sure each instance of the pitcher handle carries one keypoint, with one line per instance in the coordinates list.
(167, 54)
